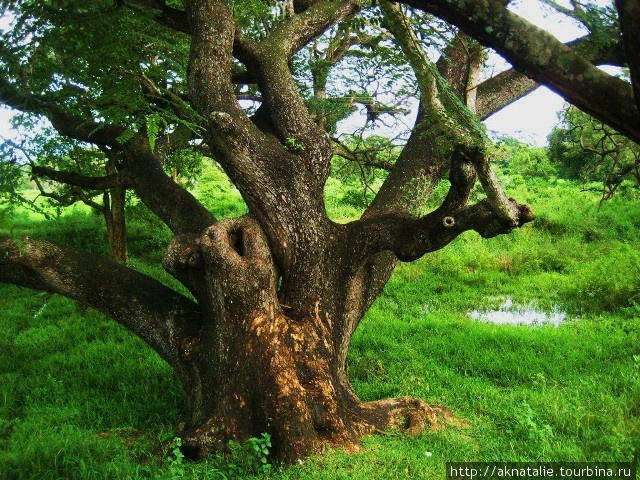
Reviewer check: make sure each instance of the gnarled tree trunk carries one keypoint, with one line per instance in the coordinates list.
(255, 369)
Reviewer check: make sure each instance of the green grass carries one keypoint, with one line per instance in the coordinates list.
(81, 398)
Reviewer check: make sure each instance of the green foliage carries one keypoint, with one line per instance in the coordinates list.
(293, 144)
(599, 18)
(251, 456)
(354, 183)
(216, 192)
(147, 236)
(185, 165)
(83, 398)
(153, 125)
(13, 184)
(256, 18)
(516, 158)
(175, 460)
(92, 58)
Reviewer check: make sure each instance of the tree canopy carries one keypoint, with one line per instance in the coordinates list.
(266, 89)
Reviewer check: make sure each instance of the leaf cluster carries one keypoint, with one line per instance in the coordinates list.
(98, 61)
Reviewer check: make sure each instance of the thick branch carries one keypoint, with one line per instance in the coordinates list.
(410, 238)
(299, 30)
(461, 65)
(282, 101)
(159, 315)
(502, 90)
(174, 205)
(232, 137)
(210, 62)
(73, 126)
(400, 26)
(444, 126)
(543, 58)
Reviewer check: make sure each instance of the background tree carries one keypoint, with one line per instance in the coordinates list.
(260, 342)
(65, 172)
(590, 151)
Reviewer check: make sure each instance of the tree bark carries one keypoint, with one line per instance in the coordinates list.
(255, 368)
(114, 214)
(629, 13)
(159, 315)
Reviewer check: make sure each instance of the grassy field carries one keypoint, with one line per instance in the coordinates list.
(81, 398)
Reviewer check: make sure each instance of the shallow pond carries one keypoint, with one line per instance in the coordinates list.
(511, 313)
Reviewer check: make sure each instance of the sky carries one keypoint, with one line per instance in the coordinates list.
(530, 119)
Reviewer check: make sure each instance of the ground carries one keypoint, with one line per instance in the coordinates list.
(82, 398)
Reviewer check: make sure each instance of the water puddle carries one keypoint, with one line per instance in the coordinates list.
(511, 313)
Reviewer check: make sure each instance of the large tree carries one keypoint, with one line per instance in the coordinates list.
(276, 295)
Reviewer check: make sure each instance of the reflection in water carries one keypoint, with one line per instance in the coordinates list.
(510, 313)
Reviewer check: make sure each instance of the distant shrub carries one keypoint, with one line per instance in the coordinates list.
(516, 158)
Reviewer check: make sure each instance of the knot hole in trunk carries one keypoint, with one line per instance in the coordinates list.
(236, 255)
(236, 241)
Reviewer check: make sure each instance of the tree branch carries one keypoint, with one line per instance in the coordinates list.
(174, 205)
(409, 238)
(283, 104)
(400, 27)
(157, 314)
(541, 57)
(82, 181)
(436, 135)
(299, 30)
(68, 198)
(460, 65)
(503, 89)
(360, 156)
(73, 126)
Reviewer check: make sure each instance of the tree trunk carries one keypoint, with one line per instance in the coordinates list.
(280, 377)
(254, 369)
(114, 202)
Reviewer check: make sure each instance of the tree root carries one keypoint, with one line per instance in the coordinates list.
(408, 414)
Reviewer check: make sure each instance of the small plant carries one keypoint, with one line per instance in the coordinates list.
(251, 456)
(293, 144)
(175, 460)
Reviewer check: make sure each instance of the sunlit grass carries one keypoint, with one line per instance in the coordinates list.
(80, 397)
